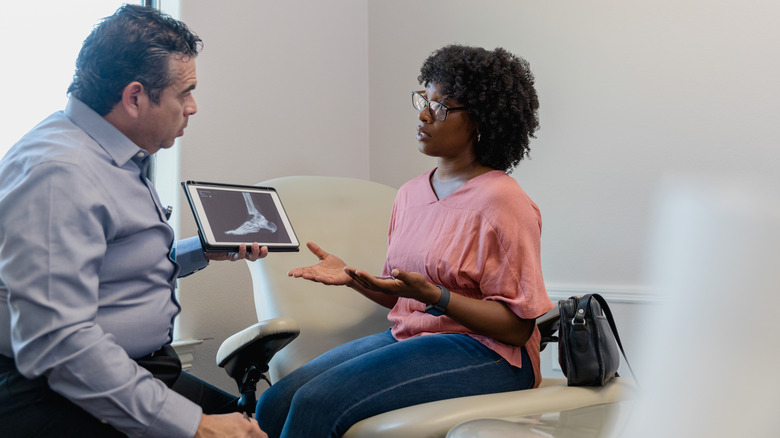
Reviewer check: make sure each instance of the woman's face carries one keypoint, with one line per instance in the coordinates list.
(452, 138)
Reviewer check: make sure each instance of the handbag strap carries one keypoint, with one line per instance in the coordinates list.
(605, 308)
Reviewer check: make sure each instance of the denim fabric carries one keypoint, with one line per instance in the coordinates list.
(376, 374)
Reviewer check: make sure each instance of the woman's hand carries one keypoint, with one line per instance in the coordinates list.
(486, 317)
(329, 270)
(256, 252)
(401, 284)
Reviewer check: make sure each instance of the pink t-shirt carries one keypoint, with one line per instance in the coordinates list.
(481, 241)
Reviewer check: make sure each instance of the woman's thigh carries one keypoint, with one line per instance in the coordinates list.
(413, 371)
(274, 403)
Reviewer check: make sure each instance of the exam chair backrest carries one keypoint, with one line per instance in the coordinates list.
(347, 217)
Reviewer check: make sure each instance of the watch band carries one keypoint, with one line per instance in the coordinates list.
(440, 307)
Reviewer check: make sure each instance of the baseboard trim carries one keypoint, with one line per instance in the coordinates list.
(627, 295)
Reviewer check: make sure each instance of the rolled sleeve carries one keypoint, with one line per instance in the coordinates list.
(188, 253)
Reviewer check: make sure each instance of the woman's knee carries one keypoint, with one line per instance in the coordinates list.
(273, 402)
(315, 411)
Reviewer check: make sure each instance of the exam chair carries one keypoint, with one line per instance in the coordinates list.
(354, 226)
(349, 217)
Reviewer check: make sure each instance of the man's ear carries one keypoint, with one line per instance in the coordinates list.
(133, 98)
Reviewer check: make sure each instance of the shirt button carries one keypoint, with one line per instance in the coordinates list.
(140, 155)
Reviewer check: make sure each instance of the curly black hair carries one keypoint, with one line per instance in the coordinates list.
(133, 44)
(498, 89)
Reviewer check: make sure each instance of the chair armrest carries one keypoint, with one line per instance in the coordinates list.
(256, 344)
(435, 419)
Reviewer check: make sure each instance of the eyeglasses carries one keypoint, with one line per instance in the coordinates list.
(438, 110)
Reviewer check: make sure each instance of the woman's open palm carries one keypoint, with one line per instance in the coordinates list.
(329, 270)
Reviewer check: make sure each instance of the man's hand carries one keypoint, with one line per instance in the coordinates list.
(229, 426)
(256, 252)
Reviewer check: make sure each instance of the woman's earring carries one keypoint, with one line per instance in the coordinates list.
(479, 136)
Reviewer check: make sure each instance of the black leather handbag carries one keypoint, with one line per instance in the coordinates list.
(588, 341)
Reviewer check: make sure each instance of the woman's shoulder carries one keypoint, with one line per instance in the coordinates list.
(494, 186)
(498, 195)
(417, 189)
(417, 182)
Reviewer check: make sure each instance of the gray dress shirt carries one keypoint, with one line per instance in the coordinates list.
(87, 272)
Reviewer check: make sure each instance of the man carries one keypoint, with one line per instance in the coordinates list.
(87, 267)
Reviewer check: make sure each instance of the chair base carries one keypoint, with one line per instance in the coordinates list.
(435, 419)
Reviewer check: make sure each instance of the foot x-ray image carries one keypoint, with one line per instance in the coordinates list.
(256, 221)
(228, 215)
(242, 216)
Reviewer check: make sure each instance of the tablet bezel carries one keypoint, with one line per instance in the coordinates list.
(215, 241)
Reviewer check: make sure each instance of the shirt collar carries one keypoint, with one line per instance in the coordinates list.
(117, 145)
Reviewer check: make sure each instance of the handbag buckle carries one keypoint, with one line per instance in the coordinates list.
(579, 318)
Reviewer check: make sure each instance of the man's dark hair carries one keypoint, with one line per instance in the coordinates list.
(498, 89)
(133, 44)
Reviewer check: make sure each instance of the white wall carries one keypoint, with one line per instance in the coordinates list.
(629, 91)
(37, 85)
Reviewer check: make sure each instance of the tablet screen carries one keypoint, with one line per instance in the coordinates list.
(228, 215)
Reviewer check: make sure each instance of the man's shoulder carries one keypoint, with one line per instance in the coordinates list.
(55, 139)
(55, 150)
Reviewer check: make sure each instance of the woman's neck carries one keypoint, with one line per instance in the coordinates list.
(450, 176)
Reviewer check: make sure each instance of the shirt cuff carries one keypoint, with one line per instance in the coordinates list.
(179, 417)
(190, 256)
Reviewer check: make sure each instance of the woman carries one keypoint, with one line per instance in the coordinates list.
(462, 275)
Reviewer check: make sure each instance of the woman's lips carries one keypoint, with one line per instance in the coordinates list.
(422, 135)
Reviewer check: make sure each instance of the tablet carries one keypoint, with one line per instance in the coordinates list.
(228, 215)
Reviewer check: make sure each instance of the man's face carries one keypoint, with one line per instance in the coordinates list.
(165, 121)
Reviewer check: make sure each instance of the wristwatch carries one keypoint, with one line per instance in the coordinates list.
(440, 307)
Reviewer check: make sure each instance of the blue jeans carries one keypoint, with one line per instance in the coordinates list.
(377, 374)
